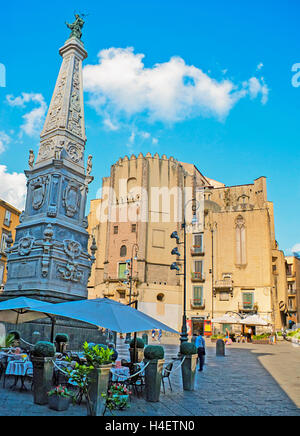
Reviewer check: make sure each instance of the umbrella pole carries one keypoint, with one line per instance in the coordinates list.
(53, 320)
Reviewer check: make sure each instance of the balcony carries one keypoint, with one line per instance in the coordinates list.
(197, 250)
(197, 303)
(247, 308)
(197, 277)
(224, 284)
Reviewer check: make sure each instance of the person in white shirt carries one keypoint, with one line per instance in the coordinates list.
(200, 345)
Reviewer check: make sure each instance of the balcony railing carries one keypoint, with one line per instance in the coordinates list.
(197, 277)
(245, 307)
(198, 303)
(197, 250)
(224, 284)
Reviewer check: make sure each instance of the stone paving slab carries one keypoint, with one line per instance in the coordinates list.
(251, 380)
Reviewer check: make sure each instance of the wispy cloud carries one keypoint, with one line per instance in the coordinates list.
(33, 120)
(4, 141)
(13, 187)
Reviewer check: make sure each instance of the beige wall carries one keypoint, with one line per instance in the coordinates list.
(260, 271)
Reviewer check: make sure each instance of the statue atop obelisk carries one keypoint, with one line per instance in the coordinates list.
(49, 258)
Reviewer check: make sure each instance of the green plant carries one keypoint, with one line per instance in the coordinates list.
(79, 374)
(44, 349)
(154, 352)
(139, 343)
(60, 391)
(62, 337)
(16, 335)
(187, 348)
(117, 397)
(96, 355)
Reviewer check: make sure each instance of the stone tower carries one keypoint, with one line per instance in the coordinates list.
(49, 259)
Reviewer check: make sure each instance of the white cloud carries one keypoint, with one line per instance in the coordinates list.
(259, 66)
(173, 91)
(258, 87)
(296, 248)
(34, 119)
(13, 187)
(4, 140)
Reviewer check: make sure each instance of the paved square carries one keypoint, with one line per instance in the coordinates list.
(252, 380)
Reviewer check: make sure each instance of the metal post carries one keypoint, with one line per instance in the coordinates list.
(184, 335)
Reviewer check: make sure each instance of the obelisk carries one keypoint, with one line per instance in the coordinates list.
(49, 259)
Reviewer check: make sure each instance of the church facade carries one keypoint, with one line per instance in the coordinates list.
(233, 263)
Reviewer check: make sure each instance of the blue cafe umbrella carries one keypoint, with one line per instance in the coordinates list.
(108, 314)
(19, 310)
(23, 309)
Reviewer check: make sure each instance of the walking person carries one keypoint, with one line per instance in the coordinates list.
(159, 335)
(200, 345)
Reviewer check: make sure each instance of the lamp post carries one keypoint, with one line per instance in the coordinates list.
(130, 277)
(212, 228)
(174, 266)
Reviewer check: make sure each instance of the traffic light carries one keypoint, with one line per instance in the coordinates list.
(174, 235)
(175, 252)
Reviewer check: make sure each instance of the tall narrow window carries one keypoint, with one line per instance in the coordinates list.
(198, 295)
(123, 251)
(198, 266)
(198, 243)
(240, 231)
(7, 218)
(121, 272)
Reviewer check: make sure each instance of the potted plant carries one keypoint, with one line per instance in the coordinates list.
(42, 360)
(154, 359)
(59, 398)
(139, 351)
(100, 360)
(16, 337)
(61, 341)
(117, 397)
(189, 356)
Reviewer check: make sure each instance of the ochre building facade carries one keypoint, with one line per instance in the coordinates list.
(233, 263)
(9, 219)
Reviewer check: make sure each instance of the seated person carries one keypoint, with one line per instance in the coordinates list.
(114, 357)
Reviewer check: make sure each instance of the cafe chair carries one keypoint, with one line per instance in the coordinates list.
(166, 375)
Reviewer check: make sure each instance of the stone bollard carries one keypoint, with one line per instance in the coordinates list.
(42, 378)
(188, 371)
(153, 376)
(220, 347)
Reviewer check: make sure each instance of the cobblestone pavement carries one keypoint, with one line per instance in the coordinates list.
(252, 380)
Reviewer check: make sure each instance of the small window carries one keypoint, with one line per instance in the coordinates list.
(1, 272)
(198, 295)
(123, 251)
(116, 230)
(7, 218)
(224, 296)
(248, 300)
(133, 228)
(160, 297)
(3, 245)
(121, 293)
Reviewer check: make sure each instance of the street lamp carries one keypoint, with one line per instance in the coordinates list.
(129, 273)
(175, 266)
(212, 227)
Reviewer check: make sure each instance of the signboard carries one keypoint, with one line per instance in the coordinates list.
(207, 328)
(189, 327)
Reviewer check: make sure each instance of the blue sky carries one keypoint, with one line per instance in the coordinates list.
(252, 46)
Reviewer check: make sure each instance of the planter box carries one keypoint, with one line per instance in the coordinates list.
(59, 403)
(153, 379)
(42, 378)
(188, 372)
(98, 385)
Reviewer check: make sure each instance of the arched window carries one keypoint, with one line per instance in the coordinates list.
(123, 251)
(240, 234)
